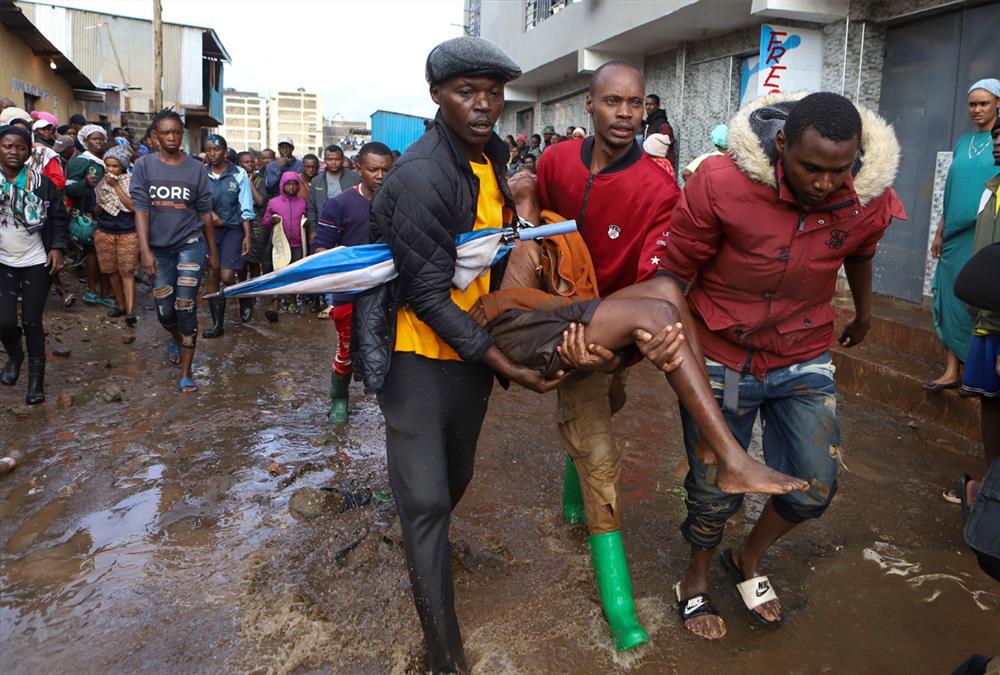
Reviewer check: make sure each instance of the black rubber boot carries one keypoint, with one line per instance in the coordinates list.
(36, 381)
(246, 309)
(217, 308)
(15, 357)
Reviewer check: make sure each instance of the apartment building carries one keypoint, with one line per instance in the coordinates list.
(297, 115)
(246, 120)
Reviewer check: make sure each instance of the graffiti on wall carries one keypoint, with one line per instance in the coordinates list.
(790, 59)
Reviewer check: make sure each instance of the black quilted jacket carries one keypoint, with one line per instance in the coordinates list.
(427, 199)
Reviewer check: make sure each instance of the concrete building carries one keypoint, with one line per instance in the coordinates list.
(246, 120)
(116, 53)
(297, 115)
(36, 75)
(912, 60)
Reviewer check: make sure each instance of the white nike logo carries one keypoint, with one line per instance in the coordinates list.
(762, 588)
(693, 604)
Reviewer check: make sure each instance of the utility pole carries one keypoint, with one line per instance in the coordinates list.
(157, 58)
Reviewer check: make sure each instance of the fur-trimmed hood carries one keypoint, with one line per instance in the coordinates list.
(751, 144)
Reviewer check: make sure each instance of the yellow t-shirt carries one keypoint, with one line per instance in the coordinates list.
(412, 334)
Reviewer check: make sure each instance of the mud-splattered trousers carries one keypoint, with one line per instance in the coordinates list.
(798, 410)
(583, 423)
(433, 412)
(175, 290)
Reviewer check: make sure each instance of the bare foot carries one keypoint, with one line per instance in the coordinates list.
(770, 611)
(706, 626)
(749, 475)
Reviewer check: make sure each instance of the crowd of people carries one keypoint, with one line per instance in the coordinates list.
(141, 209)
(724, 285)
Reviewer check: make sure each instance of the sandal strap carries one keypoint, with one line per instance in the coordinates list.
(695, 606)
(755, 592)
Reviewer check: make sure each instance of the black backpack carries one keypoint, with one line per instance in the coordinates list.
(982, 527)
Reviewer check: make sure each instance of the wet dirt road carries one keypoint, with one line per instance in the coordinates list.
(148, 535)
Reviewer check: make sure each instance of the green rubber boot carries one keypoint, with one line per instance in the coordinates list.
(615, 584)
(572, 495)
(339, 387)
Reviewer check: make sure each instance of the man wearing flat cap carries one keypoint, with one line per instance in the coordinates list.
(430, 363)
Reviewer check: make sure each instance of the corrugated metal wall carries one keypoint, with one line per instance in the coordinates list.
(396, 130)
(90, 40)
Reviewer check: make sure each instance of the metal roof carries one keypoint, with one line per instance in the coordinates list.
(14, 19)
(211, 44)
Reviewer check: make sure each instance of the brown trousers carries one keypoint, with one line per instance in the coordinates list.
(585, 405)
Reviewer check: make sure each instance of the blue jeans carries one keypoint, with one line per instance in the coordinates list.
(798, 410)
(178, 276)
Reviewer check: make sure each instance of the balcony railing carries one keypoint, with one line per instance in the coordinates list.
(536, 11)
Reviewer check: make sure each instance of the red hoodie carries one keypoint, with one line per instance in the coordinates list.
(622, 212)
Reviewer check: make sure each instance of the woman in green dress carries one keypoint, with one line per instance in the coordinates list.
(971, 166)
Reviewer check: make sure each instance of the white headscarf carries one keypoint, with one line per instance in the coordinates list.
(88, 130)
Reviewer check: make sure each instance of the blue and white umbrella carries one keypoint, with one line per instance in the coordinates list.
(352, 269)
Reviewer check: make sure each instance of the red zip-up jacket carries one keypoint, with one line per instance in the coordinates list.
(623, 212)
(761, 272)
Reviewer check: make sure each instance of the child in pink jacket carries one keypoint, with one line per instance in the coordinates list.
(291, 208)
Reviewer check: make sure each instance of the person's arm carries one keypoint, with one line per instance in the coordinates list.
(858, 267)
(122, 193)
(203, 205)
(859, 278)
(245, 195)
(331, 228)
(53, 171)
(694, 233)
(246, 208)
(272, 174)
(258, 199)
(57, 221)
(312, 210)
(267, 220)
(410, 213)
(139, 192)
(76, 172)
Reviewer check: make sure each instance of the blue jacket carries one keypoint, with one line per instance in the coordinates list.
(272, 174)
(232, 200)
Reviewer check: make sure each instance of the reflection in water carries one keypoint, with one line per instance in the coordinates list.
(135, 509)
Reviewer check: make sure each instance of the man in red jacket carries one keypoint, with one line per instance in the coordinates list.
(757, 239)
(621, 202)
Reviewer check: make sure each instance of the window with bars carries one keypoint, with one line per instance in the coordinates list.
(536, 11)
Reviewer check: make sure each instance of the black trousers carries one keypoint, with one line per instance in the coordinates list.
(32, 285)
(433, 413)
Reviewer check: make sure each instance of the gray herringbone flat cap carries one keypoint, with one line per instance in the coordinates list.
(469, 56)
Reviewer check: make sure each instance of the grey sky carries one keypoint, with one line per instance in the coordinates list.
(360, 56)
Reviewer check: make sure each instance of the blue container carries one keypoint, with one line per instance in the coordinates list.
(397, 130)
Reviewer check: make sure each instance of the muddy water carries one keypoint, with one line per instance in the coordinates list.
(148, 535)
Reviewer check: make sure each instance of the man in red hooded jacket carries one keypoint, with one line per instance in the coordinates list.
(758, 239)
